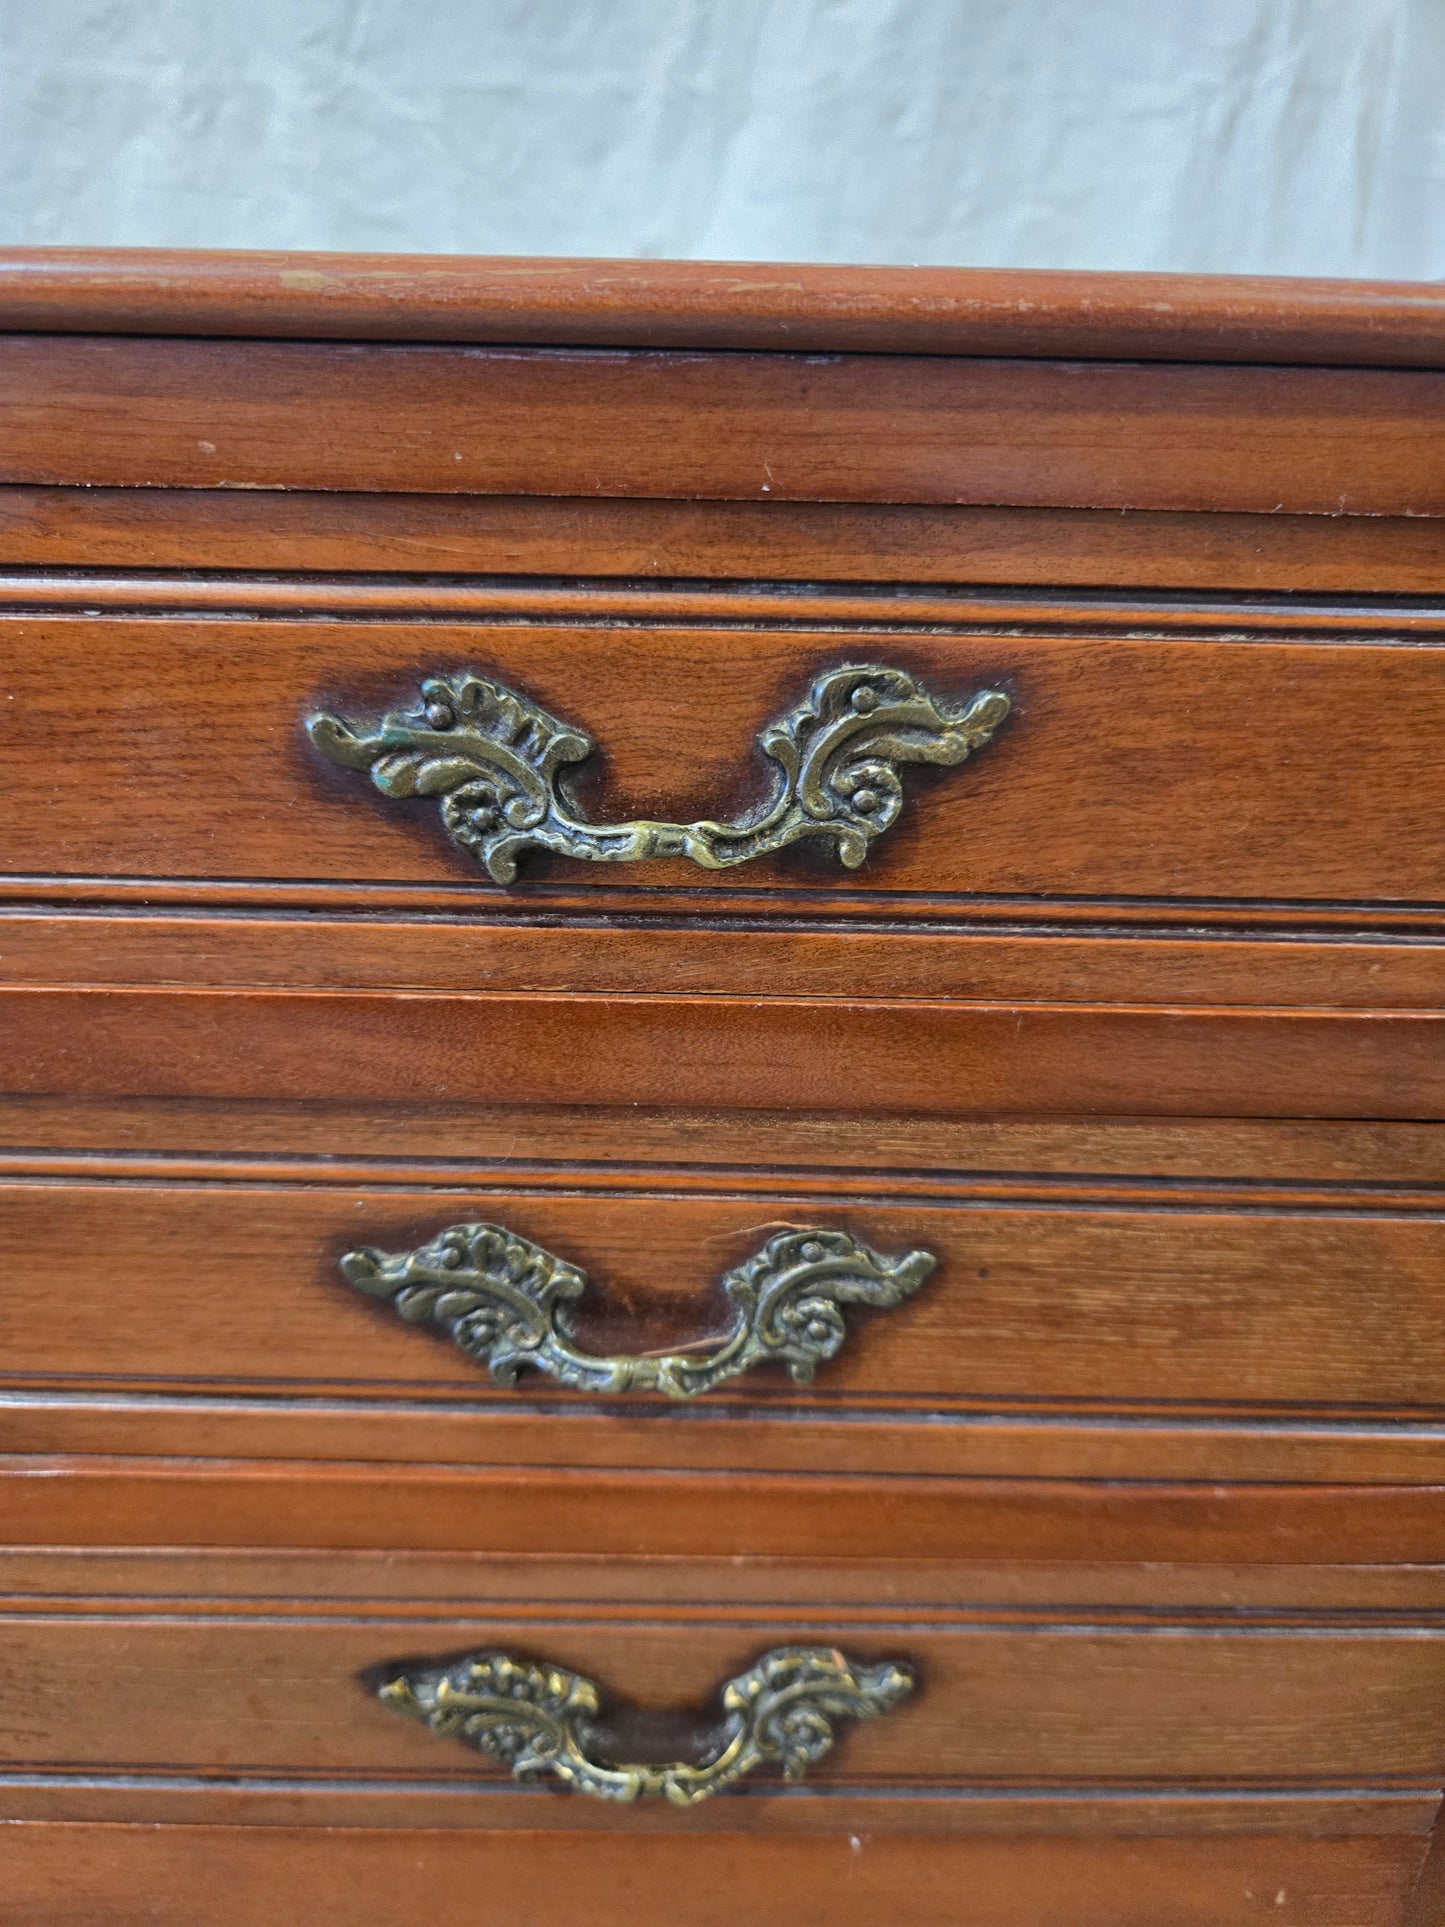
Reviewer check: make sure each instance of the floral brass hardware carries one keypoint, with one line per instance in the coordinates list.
(503, 1301)
(496, 762)
(540, 1719)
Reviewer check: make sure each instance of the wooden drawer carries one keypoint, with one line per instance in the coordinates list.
(1239, 1737)
(1165, 1303)
(1023, 1692)
(1014, 1705)
(1200, 761)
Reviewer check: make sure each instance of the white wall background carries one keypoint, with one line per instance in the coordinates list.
(1272, 136)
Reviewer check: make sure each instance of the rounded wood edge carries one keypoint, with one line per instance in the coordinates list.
(685, 304)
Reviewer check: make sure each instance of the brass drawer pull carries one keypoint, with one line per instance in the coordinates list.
(540, 1719)
(496, 761)
(502, 1300)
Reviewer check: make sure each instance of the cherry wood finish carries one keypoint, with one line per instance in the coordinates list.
(526, 947)
(1130, 767)
(1012, 432)
(930, 1059)
(113, 1581)
(375, 1877)
(1113, 1157)
(169, 1797)
(203, 1502)
(684, 304)
(157, 528)
(1136, 1021)
(1019, 1705)
(1044, 1302)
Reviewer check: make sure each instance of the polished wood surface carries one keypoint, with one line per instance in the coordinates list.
(204, 414)
(375, 1877)
(115, 1580)
(1135, 1021)
(1045, 1301)
(930, 1059)
(1012, 1153)
(708, 304)
(54, 1499)
(531, 945)
(1158, 768)
(158, 528)
(1015, 1705)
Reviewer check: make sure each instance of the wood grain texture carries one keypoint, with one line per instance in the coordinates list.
(687, 304)
(375, 1878)
(140, 1501)
(1084, 1153)
(1163, 1306)
(494, 951)
(927, 1059)
(157, 528)
(1012, 1705)
(789, 607)
(1427, 1899)
(1129, 768)
(116, 1580)
(50, 1417)
(437, 420)
(168, 1797)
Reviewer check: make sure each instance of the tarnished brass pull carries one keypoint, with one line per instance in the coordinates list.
(495, 760)
(540, 1719)
(502, 1300)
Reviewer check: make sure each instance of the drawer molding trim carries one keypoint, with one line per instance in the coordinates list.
(540, 1719)
(495, 760)
(502, 1301)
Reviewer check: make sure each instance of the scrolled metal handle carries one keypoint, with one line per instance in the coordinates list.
(541, 1719)
(503, 1300)
(496, 762)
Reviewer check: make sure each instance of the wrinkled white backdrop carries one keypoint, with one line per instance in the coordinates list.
(1272, 136)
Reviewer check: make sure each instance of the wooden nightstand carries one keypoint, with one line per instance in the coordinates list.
(722, 1021)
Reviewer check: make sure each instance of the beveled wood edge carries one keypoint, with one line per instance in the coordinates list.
(1051, 549)
(279, 1420)
(346, 1505)
(1183, 1147)
(877, 1186)
(813, 612)
(924, 911)
(105, 1578)
(687, 304)
(224, 946)
(161, 1798)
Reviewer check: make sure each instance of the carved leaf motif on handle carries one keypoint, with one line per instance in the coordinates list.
(498, 764)
(540, 1719)
(504, 1302)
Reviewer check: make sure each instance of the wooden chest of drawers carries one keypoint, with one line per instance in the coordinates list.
(722, 1032)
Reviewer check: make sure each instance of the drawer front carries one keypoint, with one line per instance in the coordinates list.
(1050, 1304)
(1016, 1704)
(1173, 767)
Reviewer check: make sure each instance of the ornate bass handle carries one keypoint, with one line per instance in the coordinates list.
(540, 1719)
(496, 761)
(503, 1301)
